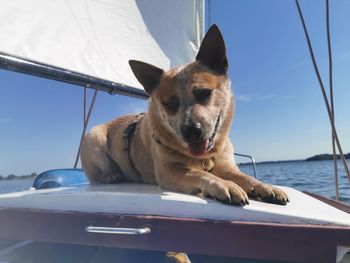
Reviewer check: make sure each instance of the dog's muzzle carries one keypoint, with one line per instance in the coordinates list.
(193, 133)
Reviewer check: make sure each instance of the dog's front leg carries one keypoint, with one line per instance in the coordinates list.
(194, 181)
(252, 186)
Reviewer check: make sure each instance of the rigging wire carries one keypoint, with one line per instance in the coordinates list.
(329, 111)
(86, 121)
(330, 63)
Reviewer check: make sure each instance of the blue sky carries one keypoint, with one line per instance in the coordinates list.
(280, 112)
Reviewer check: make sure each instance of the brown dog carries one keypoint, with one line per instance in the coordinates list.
(182, 142)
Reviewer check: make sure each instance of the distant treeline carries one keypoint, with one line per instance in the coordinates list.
(13, 176)
(318, 157)
(326, 156)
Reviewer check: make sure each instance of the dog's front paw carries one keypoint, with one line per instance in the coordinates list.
(269, 194)
(227, 192)
(109, 178)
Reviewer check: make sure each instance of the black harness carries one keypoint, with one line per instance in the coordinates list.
(127, 136)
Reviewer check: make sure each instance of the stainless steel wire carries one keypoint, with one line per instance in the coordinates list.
(329, 110)
(86, 122)
(330, 72)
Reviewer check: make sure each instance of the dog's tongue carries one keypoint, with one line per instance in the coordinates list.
(198, 148)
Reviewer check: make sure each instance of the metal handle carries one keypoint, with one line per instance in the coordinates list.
(252, 160)
(118, 230)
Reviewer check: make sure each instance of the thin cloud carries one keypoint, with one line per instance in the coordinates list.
(136, 107)
(266, 97)
(244, 98)
(4, 120)
(257, 97)
(296, 65)
(344, 56)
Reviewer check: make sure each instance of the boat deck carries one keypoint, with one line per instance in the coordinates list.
(140, 199)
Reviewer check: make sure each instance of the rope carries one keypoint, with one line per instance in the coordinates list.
(335, 164)
(85, 125)
(325, 98)
(84, 117)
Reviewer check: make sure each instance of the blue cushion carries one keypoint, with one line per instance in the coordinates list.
(60, 177)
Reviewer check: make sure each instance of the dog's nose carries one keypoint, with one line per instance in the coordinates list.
(192, 132)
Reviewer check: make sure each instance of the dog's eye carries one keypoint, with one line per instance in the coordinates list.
(172, 104)
(202, 95)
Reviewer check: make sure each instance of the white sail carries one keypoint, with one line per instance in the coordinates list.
(98, 37)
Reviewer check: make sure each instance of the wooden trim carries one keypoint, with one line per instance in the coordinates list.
(298, 243)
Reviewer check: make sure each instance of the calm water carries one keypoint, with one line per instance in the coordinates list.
(316, 177)
(15, 185)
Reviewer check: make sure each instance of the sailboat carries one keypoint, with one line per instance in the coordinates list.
(63, 218)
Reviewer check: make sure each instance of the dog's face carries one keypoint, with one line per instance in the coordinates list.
(193, 103)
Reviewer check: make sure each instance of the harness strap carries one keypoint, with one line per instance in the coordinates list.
(128, 135)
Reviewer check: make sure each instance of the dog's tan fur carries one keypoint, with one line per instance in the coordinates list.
(159, 151)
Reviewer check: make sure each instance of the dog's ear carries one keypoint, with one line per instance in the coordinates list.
(148, 75)
(212, 52)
